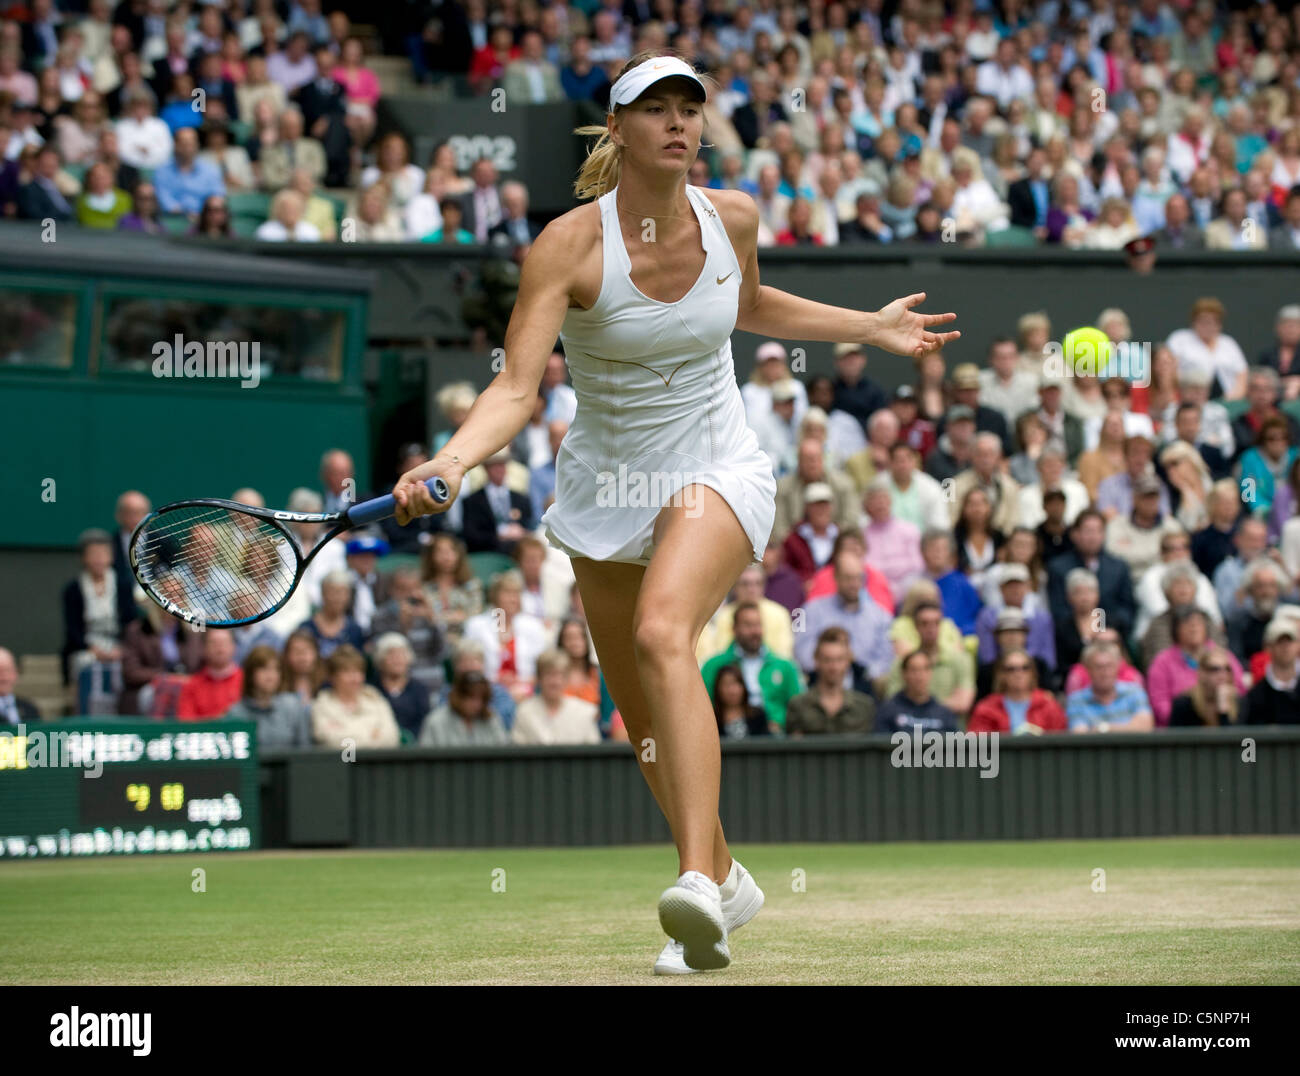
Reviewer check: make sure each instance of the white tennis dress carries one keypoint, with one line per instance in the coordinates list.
(658, 405)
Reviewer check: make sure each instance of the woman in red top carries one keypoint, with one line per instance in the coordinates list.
(1019, 705)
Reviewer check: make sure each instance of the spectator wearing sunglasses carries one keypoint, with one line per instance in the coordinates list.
(1019, 706)
(1213, 699)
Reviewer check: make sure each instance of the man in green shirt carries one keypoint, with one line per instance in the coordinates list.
(772, 681)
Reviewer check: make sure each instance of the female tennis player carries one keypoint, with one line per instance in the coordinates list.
(662, 494)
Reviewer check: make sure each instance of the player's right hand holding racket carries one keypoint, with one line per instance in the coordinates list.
(411, 493)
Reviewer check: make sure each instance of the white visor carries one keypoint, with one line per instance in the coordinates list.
(634, 83)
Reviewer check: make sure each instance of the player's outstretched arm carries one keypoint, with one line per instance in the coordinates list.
(768, 311)
(503, 409)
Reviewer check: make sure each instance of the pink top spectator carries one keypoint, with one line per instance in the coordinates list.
(362, 85)
(895, 548)
(1170, 675)
(823, 583)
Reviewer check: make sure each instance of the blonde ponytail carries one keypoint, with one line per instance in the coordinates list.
(600, 171)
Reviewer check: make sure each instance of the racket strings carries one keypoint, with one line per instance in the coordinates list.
(216, 564)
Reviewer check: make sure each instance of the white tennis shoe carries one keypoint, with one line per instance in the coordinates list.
(741, 900)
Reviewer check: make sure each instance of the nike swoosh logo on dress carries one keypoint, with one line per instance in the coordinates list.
(727, 277)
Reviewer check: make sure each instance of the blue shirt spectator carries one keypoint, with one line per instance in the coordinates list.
(867, 624)
(187, 181)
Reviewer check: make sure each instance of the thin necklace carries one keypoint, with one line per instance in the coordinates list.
(654, 216)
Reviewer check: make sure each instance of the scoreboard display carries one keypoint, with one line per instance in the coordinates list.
(100, 786)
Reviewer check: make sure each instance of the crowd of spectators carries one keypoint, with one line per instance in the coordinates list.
(1070, 123)
(981, 549)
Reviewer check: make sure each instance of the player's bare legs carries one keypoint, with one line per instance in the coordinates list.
(609, 597)
(700, 550)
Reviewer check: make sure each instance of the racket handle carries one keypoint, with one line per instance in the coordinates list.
(385, 506)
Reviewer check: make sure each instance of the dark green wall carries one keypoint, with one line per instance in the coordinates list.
(1168, 783)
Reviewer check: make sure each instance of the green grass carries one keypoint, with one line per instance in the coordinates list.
(1223, 910)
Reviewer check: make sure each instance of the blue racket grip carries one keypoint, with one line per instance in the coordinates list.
(385, 506)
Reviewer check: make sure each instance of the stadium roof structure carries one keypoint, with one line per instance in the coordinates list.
(179, 258)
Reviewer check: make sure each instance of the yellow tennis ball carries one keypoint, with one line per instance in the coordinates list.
(1087, 351)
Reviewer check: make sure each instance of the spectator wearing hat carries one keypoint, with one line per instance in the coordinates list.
(809, 545)
(855, 392)
(1115, 495)
(1173, 670)
(986, 473)
(769, 368)
(830, 705)
(776, 430)
(966, 387)
(496, 517)
(1114, 580)
(1140, 253)
(1010, 632)
(956, 445)
(1018, 705)
(810, 467)
(952, 675)
(1015, 589)
(1106, 703)
(1284, 355)
(1004, 386)
(363, 553)
(850, 607)
(771, 680)
(1205, 346)
(466, 718)
(913, 427)
(1136, 538)
(1275, 697)
(1064, 430)
(914, 709)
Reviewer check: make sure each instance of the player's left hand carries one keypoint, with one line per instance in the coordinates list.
(904, 331)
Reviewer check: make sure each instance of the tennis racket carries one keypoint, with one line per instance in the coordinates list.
(222, 564)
